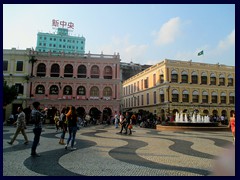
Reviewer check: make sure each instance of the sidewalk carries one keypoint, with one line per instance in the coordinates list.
(102, 151)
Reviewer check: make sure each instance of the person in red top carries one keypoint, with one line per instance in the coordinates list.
(232, 125)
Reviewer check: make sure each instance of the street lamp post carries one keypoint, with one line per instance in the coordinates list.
(168, 91)
(32, 60)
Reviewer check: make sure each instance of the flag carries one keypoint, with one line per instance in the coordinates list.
(200, 53)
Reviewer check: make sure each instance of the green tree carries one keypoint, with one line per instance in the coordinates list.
(9, 94)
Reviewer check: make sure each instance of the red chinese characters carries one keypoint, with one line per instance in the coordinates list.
(71, 25)
(63, 24)
(55, 23)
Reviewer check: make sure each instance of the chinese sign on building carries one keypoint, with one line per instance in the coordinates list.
(62, 24)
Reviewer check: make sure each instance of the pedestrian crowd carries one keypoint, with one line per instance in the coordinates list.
(69, 121)
(66, 121)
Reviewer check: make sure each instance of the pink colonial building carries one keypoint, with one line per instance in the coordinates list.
(90, 82)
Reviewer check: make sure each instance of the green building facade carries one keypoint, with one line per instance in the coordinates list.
(60, 42)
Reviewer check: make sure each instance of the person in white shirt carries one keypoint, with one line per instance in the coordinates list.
(21, 125)
(116, 119)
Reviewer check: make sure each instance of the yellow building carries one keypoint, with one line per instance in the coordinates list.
(16, 70)
(173, 86)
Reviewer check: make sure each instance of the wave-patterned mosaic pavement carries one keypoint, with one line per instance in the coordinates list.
(102, 151)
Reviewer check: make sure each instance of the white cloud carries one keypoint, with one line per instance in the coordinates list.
(168, 32)
(127, 50)
(185, 56)
(152, 61)
(222, 53)
(193, 55)
(228, 42)
(224, 50)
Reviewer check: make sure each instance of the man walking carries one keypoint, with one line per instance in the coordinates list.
(21, 125)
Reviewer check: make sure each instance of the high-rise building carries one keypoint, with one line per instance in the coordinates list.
(60, 42)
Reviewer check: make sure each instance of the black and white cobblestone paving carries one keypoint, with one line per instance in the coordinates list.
(102, 151)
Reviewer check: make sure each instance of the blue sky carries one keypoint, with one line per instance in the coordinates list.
(145, 34)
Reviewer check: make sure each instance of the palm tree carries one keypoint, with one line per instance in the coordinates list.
(27, 78)
(9, 94)
(32, 60)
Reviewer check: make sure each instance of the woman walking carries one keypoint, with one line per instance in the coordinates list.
(232, 125)
(72, 126)
(56, 119)
(63, 125)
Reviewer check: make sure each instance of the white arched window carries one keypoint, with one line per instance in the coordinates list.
(94, 91)
(223, 98)
(67, 90)
(232, 98)
(213, 79)
(184, 77)
(185, 96)
(81, 91)
(203, 78)
(175, 95)
(68, 70)
(40, 89)
(221, 80)
(95, 71)
(161, 95)
(195, 96)
(214, 97)
(194, 77)
(82, 71)
(230, 80)
(41, 70)
(174, 76)
(107, 92)
(107, 72)
(204, 97)
(53, 90)
(55, 70)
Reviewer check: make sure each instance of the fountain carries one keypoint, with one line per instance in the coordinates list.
(176, 117)
(185, 118)
(198, 118)
(206, 119)
(181, 117)
(196, 121)
(194, 118)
